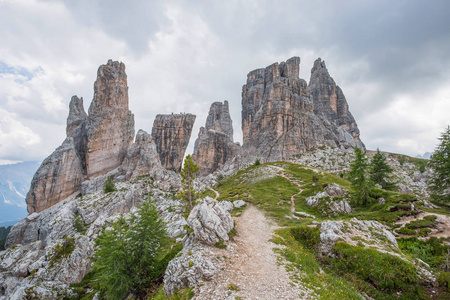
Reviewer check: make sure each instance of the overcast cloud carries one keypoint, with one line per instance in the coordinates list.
(391, 59)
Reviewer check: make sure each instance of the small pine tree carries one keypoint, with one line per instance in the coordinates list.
(358, 177)
(188, 173)
(380, 171)
(127, 259)
(109, 185)
(439, 180)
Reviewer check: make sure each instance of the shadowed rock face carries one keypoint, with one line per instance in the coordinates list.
(77, 115)
(58, 177)
(111, 124)
(95, 144)
(329, 102)
(171, 133)
(214, 145)
(279, 118)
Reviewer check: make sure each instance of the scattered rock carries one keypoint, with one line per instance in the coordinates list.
(239, 203)
(210, 222)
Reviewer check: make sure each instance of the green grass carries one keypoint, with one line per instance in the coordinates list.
(305, 267)
(426, 222)
(381, 275)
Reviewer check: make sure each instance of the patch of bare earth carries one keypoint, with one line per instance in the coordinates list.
(251, 267)
(443, 223)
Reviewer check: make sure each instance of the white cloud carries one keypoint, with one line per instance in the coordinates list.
(182, 56)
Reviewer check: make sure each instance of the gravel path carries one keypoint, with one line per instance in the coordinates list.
(251, 265)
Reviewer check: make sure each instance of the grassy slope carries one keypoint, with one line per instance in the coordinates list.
(329, 280)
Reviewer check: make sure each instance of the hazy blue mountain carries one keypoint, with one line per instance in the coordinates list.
(426, 155)
(14, 184)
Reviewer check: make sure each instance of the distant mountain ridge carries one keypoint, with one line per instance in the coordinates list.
(426, 155)
(15, 182)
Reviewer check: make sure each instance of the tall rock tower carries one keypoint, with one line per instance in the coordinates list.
(214, 145)
(111, 124)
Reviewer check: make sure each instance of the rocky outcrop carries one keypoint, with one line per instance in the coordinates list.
(279, 119)
(328, 204)
(59, 176)
(110, 131)
(214, 145)
(210, 222)
(371, 234)
(330, 103)
(95, 144)
(30, 266)
(171, 133)
(77, 115)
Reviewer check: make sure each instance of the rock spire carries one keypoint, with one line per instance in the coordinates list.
(214, 145)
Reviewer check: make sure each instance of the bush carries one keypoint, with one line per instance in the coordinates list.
(78, 223)
(387, 273)
(109, 185)
(444, 279)
(406, 231)
(428, 221)
(257, 162)
(219, 177)
(308, 236)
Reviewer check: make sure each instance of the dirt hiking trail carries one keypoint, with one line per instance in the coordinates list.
(251, 270)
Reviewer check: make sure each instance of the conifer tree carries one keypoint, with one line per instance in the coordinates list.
(127, 258)
(439, 180)
(380, 171)
(188, 175)
(358, 177)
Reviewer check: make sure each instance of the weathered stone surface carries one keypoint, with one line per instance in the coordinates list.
(171, 133)
(77, 115)
(59, 176)
(111, 124)
(331, 206)
(214, 145)
(210, 222)
(95, 144)
(278, 119)
(196, 264)
(330, 102)
(142, 157)
(36, 236)
(370, 233)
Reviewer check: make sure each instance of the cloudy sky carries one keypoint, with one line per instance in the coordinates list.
(391, 59)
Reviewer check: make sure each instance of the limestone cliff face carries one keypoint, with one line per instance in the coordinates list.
(214, 145)
(171, 133)
(59, 176)
(330, 102)
(95, 144)
(111, 124)
(278, 119)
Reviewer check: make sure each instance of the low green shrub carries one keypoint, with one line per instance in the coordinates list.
(406, 231)
(423, 232)
(63, 250)
(220, 244)
(431, 251)
(109, 185)
(307, 236)
(428, 221)
(444, 279)
(387, 273)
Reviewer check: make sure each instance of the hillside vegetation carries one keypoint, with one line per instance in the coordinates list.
(283, 191)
